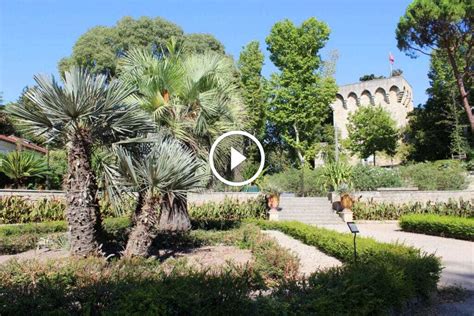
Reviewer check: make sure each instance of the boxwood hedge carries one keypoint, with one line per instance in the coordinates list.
(438, 225)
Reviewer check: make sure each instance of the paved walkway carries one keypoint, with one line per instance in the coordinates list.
(311, 259)
(457, 256)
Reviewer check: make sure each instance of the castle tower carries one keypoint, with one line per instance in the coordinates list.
(394, 94)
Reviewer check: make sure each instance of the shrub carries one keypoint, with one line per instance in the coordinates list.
(57, 167)
(390, 211)
(94, 286)
(17, 209)
(334, 175)
(438, 175)
(369, 178)
(226, 213)
(302, 182)
(444, 226)
(408, 272)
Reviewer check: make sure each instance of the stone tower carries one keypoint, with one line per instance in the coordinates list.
(394, 94)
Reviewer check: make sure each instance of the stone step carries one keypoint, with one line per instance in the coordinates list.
(308, 210)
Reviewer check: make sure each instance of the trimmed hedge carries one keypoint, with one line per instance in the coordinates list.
(408, 273)
(390, 211)
(444, 226)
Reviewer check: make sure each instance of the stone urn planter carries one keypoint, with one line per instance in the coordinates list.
(273, 201)
(347, 201)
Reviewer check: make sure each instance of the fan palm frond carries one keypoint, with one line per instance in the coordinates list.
(83, 101)
(22, 165)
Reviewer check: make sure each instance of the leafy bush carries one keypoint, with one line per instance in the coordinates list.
(94, 286)
(303, 182)
(407, 272)
(127, 286)
(369, 178)
(438, 175)
(445, 226)
(390, 211)
(17, 209)
(335, 174)
(226, 213)
(57, 168)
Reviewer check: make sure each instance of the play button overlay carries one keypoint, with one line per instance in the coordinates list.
(236, 158)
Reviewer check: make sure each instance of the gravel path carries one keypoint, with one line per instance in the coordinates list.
(457, 256)
(40, 254)
(311, 259)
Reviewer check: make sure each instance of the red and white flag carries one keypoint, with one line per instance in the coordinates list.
(391, 58)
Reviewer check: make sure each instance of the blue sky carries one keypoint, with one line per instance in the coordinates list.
(35, 34)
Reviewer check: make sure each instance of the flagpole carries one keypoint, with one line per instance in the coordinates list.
(390, 56)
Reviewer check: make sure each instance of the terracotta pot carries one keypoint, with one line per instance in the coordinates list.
(346, 201)
(273, 201)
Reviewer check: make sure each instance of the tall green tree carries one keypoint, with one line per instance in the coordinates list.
(300, 94)
(434, 124)
(430, 25)
(192, 97)
(100, 48)
(371, 129)
(86, 110)
(253, 89)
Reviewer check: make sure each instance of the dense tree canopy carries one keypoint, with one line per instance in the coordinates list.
(201, 43)
(300, 95)
(371, 129)
(446, 26)
(100, 47)
(370, 77)
(433, 126)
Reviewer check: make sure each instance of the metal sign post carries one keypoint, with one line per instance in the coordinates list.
(353, 228)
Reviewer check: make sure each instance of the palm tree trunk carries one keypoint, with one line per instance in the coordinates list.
(82, 211)
(138, 208)
(174, 215)
(462, 89)
(144, 230)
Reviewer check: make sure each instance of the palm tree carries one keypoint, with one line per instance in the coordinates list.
(86, 110)
(22, 165)
(162, 170)
(194, 98)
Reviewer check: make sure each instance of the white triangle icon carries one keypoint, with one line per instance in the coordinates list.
(236, 158)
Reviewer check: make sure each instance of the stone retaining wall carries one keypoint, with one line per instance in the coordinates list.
(33, 194)
(200, 198)
(403, 196)
(381, 196)
(196, 198)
